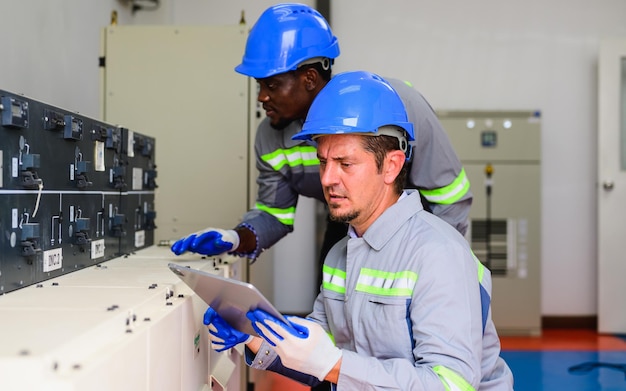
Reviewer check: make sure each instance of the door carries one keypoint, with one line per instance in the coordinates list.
(177, 84)
(612, 186)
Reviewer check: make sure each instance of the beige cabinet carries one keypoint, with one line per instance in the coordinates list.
(177, 84)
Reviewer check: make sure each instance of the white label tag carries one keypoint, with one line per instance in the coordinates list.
(52, 259)
(140, 238)
(14, 218)
(137, 178)
(97, 249)
(131, 144)
(14, 167)
(99, 156)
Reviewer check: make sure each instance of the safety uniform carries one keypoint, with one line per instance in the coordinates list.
(403, 302)
(289, 168)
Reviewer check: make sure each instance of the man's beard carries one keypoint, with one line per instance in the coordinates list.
(344, 218)
(282, 123)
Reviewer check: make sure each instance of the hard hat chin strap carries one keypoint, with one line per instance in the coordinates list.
(325, 61)
(398, 133)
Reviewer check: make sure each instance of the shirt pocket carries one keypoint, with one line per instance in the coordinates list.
(385, 326)
(334, 303)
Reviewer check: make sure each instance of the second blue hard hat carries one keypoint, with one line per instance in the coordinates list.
(356, 102)
(284, 36)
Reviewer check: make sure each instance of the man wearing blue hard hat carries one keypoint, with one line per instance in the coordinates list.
(404, 303)
(290, 51)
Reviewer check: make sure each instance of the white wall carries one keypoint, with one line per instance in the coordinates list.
(508, 55)
(486, 54)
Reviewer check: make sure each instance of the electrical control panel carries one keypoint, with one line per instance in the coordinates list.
(74, 191)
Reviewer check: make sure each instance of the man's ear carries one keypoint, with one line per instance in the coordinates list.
(312, 79)
(394, 161)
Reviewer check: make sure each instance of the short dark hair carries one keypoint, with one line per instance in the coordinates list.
(379, 146)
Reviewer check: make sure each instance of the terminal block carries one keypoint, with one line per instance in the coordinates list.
(81, 232)
(53, 120)
(81, 167)
(14, 112)
(30, 242)
(118, 177)
(149, 222)
(29, 177)
(81, 179)
(150, 179)
(73, 129)
(111, 137)
(118, 225)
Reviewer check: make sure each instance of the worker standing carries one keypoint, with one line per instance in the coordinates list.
(290, 52)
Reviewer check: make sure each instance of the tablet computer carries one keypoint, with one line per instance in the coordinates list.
(231, 299)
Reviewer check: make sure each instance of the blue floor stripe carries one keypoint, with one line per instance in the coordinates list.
(548, 370)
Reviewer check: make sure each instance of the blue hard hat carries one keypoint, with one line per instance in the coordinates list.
(284, 36)
(356, 102)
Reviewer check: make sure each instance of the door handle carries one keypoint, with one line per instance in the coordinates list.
(608, 185)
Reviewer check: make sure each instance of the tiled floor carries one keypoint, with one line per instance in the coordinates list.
(571, 360)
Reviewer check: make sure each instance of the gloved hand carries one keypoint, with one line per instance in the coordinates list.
(211, 241)
(221, 334)
(302, 345)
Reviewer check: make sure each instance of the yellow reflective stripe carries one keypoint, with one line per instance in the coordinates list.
(384, 283)
(300, 155)
(451, 380)
(481, 268)
(408, 83)
(285, 216)
(449, 194)
(334, 279)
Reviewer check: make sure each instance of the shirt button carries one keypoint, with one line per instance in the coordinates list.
(267, 352)
(260, 362)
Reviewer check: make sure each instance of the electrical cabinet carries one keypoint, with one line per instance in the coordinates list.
(66, 191)
(501, 154)
(125, 324)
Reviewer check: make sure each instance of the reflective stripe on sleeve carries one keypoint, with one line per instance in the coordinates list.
(451, 380)
(285, 216)
(449, 194)
(300, 155)
(385, 283)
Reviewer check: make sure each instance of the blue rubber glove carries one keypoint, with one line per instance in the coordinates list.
(211, 241)
(221, 334)
(302, 345)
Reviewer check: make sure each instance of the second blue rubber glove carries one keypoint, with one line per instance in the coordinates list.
(211, 241)
(221, 334)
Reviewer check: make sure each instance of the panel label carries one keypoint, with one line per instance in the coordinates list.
(99, 156)
(14, 167)
(137, 178)
(52, 259)
(140, 238)
(97, 249)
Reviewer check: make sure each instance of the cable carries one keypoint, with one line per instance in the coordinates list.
(38, 199)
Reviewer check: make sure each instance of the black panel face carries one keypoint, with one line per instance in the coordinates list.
(72, 192)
